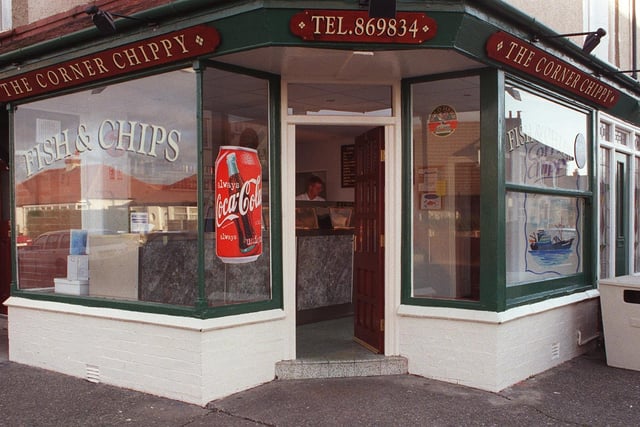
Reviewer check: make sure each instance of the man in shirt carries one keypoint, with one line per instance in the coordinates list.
(314, 188)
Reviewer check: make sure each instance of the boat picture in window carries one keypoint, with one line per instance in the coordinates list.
(552, 246)
(552, 234)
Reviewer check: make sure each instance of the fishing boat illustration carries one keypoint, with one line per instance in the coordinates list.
(542, 240)
(549, 247)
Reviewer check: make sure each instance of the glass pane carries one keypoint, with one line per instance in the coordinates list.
(237, 243)
(543, 237)
(636, 220)
(605, 131)
(342, 100)
(547, 144)
(100, 173)
(605, 211)
(621, 137)
(446, 189)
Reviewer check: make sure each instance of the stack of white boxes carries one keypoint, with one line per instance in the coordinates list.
(77, 280)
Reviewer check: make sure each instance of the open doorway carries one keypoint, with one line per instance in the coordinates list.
(339, 241)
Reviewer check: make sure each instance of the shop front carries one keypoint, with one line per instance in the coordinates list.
(239, 191)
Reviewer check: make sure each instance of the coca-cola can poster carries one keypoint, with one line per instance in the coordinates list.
(238, 205)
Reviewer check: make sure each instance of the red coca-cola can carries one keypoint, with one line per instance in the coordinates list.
(238, 198)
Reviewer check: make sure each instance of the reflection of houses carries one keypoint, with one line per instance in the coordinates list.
(99, 197)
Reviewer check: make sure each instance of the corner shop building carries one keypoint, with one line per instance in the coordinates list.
(465, 158)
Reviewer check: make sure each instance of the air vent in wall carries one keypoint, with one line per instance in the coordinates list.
(93, 374)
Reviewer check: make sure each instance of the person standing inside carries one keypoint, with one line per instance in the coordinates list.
(314, 188)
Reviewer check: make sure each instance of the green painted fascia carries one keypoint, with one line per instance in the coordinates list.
(270, 27)
(168, 17)
(477, 27)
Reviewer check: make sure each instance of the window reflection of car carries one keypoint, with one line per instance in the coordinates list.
(22, 240)
(43, 260)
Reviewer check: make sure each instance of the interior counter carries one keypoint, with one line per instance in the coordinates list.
(324, 273)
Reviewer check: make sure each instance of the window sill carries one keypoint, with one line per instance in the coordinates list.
(177, 322)
(477, 316)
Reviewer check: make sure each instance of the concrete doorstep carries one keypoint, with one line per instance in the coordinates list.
(583, 391)
(307, 369)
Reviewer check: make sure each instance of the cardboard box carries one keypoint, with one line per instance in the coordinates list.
(78, 267)
(71, 287)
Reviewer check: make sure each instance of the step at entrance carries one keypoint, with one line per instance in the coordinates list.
(309, 368)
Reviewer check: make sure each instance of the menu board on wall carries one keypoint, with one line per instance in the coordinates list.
(348, 165)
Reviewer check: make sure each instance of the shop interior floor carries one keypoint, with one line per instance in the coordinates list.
(327, 350)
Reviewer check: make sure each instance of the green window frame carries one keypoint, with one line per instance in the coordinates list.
(200, 307)
(489, 194)
(537, 290)
(495, 295)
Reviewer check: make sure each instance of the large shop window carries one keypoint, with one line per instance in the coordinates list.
(107, 190)
(446, 189)
(547, 174)
(236, 145)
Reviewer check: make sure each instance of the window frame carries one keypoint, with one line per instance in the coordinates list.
(494, 293)
(199, 308)
(489, 291)
(529, 292)
(612, 147)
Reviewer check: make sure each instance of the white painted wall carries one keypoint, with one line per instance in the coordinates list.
(492, 351)
(187, 359)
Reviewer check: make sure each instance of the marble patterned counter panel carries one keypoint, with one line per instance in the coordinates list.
(324, 270)
(169, 272)
(169, 268)
(236, 283)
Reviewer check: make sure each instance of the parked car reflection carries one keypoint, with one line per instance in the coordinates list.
(43, 260)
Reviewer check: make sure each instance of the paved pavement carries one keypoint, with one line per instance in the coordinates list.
(581, 392)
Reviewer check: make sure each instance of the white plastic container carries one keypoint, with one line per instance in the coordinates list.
(620, 302)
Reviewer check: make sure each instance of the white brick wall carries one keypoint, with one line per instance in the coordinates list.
(198, 361)
(492, 351)
(187, 359)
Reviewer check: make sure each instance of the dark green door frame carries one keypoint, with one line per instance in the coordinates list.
(622, 215)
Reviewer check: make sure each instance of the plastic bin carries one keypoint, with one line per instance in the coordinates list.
(620, 301)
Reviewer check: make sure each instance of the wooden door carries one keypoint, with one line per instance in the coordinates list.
(368, 259)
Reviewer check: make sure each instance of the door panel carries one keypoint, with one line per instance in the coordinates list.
(622, 215)
(368, 269)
